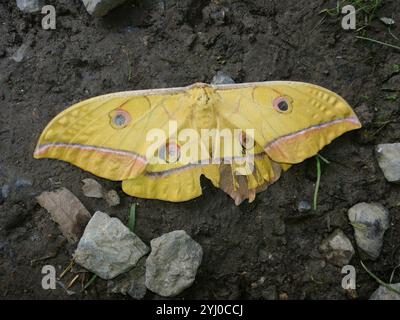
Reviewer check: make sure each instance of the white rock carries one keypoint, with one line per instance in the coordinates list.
(108, 248)
(337, 248)
(389, 160)
(30, 6)
(172, 265)
(370, 221)
(384, 293)
(99, 8)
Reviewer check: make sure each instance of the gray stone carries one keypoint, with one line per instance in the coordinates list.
(30, 6)
(384, 293)
(370, 221)
(388, 21)
(172, 265)
(389, 160)
(92, 189)
(112, 198)
(131, 282)
(99, 8)
(337, 248)
(108, 248)
(221, 78)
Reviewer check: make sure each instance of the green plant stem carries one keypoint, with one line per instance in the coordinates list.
(132, 218)
(92, 279)
(379, 42)
(323, 159)
(386, 285)
(317, 183)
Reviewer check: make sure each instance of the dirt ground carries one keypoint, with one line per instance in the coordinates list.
(261, 250)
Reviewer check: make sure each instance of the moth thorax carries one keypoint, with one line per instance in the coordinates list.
(204, 115)
(203, 109)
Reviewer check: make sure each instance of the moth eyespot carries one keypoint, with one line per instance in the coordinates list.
(170, 152)
(246, 141)
(283, 105)
(119, 119)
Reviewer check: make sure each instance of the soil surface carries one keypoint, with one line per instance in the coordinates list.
(263, 250)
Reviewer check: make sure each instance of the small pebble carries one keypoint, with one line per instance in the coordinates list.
(23, 183)
(387, 21)
(130, 29)
(337, 248)
(99, 8)
(389, 160)
(370, 221)
(112, 198)
(30, 6)
(92, 189)
(283, 296)
(222, 78)
(304, 206)
(5, 191)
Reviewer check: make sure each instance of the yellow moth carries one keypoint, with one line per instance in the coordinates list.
(159, 142)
